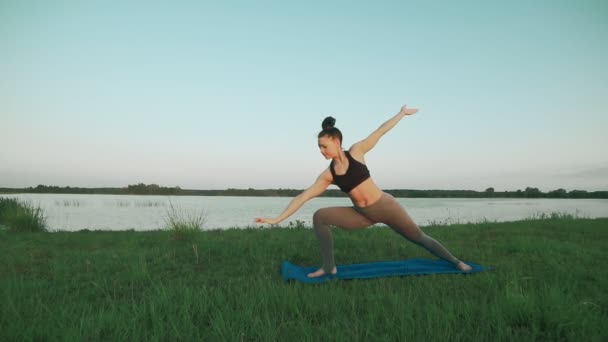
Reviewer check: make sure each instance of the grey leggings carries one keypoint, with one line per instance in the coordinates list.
(386, 210)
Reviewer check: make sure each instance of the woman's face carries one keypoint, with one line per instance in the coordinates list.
(329, 146)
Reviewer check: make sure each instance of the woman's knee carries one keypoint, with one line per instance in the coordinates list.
(319, 217)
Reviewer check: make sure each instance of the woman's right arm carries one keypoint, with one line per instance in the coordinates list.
(317, 188)
(363, 146)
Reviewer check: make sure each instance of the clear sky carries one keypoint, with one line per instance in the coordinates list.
(223, 94)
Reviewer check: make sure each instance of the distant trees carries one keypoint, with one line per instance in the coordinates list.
(579, 194)
(152, 189)
(43, 189)
(559, 193)
(155, 189)
(532, 192)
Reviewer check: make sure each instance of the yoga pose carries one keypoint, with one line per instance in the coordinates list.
(371, 205)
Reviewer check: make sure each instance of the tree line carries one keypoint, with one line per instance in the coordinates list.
(155, 189)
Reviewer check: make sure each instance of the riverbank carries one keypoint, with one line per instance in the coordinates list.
(548, 284)
(156, 190)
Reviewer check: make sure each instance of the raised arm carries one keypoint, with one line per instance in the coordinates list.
(368, 143)
(322, 182)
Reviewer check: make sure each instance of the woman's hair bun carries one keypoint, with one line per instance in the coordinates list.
(328, 123)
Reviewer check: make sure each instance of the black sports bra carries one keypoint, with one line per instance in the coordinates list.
(356, 173)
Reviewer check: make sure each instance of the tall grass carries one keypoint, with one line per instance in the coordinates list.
(183, 225)
(554, 215)
(21, 216)
(557, 215)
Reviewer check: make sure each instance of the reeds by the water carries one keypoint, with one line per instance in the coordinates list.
(21, 216)
(135, 203)
(150, 203)
(69, 203)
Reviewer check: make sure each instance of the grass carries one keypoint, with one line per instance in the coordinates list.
(21, 216)
(549, 283)
(184, 225)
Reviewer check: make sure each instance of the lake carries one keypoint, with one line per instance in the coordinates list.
(70, 212)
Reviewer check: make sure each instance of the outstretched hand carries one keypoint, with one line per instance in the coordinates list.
(266, 220)
(408, 111)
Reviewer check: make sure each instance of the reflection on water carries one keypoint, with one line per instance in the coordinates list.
(120, 212)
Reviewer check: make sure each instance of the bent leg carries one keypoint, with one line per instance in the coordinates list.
(342, 217)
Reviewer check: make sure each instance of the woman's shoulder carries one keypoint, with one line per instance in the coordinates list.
(356, 154)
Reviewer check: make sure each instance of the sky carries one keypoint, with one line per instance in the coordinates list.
(226, 94)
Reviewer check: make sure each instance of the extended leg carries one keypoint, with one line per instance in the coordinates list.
(395, 216)
(406, 227)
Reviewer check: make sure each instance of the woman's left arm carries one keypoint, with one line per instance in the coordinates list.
(368, 143)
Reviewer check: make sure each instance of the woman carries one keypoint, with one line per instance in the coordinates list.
(371, 205)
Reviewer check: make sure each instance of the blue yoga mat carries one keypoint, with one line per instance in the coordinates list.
(377, 269)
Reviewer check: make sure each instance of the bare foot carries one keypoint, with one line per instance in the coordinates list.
(321, 272)
(464, 267)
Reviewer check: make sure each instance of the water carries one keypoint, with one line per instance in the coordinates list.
(71, 212)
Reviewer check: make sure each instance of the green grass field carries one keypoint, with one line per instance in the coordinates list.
(549, 283)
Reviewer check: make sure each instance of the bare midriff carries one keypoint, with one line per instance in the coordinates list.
(365, 194)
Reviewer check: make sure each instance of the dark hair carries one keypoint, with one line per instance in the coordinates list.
(329, 129)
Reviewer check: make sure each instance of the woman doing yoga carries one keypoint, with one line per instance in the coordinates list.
(371, 205)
